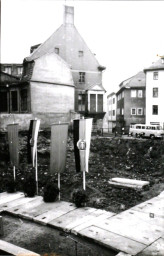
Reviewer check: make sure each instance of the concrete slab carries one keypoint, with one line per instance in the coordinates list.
(155, 249)
(20, 201)
(10, 197)
(26, 210)
(103, 215)
(73, 218)
(132, 227)
(3, 194)
(112, 240)
(59, 208)
(15, 250)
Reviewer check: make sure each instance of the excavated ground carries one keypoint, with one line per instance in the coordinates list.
(110, 157)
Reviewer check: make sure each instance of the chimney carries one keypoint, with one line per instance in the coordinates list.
(68, 15)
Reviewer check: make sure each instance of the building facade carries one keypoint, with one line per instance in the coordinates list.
(45, 91)
(111, 111)
(86, 71)
(12, 69)
(155, 93)
(131, 102)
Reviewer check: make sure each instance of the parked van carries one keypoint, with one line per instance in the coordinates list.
(143, 130)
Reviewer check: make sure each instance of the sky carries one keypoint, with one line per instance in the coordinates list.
(126, 36)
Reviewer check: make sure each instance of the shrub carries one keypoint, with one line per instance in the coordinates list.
(51, 192)
(10, 185)
(29, 186)
(79, 197)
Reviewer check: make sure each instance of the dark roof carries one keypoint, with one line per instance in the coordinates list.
(137, 81)
(156, 65)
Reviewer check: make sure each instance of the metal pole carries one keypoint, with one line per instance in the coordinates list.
(59, 184)
(14, 173)
(84, 187)
(36, 171)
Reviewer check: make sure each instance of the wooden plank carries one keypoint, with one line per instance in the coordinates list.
(132, 227)
(15, 250)
(76, 217)
(155, 205)
(16, 202)
(131, 181)
(26, 210)
(121, 185)
(149, 218)
(112, 240)
(59, 208)
(155, 249)
(10, 197)
(103, 215)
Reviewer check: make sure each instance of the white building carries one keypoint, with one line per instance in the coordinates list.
(111, 111)
(155, 93)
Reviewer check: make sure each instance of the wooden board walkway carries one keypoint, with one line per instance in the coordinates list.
(137, 231)
(15, 250)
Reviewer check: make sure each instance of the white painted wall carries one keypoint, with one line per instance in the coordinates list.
(150, 101)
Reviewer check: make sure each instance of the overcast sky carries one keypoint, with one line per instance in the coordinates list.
(125, 35)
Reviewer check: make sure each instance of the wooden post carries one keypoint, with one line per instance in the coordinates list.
(1, 226)
(59, 184)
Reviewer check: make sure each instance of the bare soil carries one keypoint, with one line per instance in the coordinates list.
(141, 159)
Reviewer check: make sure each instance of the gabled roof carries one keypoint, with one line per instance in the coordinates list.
(91, 87)
(158, 65)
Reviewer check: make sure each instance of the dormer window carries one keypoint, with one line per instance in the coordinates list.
(81, 53)
(56, 50)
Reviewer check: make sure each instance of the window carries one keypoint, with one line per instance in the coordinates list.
(133, 93)
(7, 70)
(3, 100)
(81, 102)
(113, 100)
(118, 111)
(139, 111)
(155, 75)
(113, 112)
(19, 70)
(56, 50)
(93, 102)
(155, 92)
(14, 100)
(119, 96)
(23, 94)
(100, 103)
(140, 93)
(133, 111)
(122, 94)
(81, 77)
(122, 111)
(155, 110)
(80, 53)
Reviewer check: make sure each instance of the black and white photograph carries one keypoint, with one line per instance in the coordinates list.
(81, 128)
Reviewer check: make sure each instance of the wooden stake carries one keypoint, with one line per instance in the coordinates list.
(84, 187)
(59, 184)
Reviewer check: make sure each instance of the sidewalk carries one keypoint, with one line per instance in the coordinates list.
(137, 231)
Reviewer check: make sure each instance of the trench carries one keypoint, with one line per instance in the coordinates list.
(48, 241)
